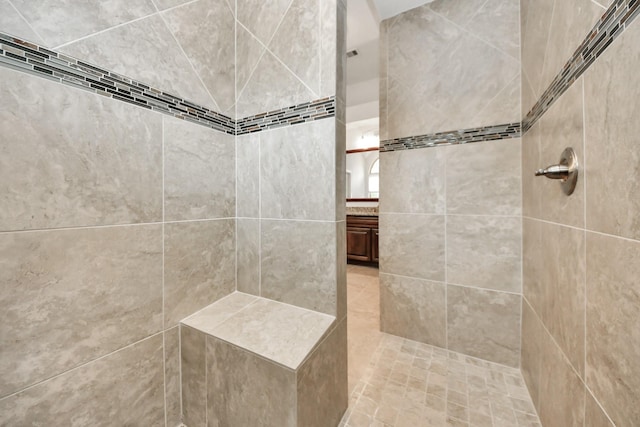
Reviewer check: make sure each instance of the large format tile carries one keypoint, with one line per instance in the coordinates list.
(613, 336)
(13, 24)
(413, 308)
(332, 47)
(193, 359)
(572, 20)
(296, 272)
(172, 379)
(532, 186)
(594, 416)
(297, 42)
(413, 181)
(199, 266)
(612, 96)
(262, 18)
(485, 252)
(532, 268)
(271, 87)
(249, 51)
(199, 170)
(124, 388)
(322, 382)
(413, 245)
(248, 256)
(248, 176)
(535, 35)
(61, 22)
(145, 50)
(266, 328)
(238, 380)
(562, 127)
(86, 169)
(498, 23)
(71, 296)
(530, 354)
(461, 12)
(213, 56)
(561, 395)
(484, 178)
(563, 284)
(212, 315)
(484, 324)
(297, 172)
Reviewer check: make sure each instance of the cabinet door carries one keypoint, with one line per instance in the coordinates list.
(374, 245)
(359, 244)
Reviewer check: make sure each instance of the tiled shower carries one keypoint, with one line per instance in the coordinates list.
(160, 156)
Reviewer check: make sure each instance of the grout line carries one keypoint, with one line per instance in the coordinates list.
(26, 22)
(164, 374)
(104, 31)
(260, 214)
(179, 326)
(164, 346)
(193, 67)
(586, 267)
(447, 154)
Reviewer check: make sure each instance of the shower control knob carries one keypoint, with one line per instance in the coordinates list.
(566, 171)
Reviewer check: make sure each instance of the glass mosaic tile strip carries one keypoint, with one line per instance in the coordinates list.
(465, 136)
(614, 21)
(30, 58)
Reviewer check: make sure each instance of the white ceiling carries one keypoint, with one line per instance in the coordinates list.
(363, 22)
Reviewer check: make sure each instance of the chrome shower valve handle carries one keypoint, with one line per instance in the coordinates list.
(566, 171)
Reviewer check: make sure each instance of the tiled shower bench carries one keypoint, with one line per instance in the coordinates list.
(250, 361)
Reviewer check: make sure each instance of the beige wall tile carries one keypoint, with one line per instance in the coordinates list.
(459, 11)
(484, 324)
(562, 275)
(212, 56)
(248, 176)
(612, 156)
(485, 252)
(144, 50)
(332, 46)
(498, 23)
(561, 127)
(62, 22)
(298, 263)
(531, 351)
(297, 172)
(12, 23)
(271, 87)
(79, 183)
(124, 388)
(193, 359)
(561, 396)
(531, 184)
(71, 296)
(249, 50)
(534, 38)
(322, 395)
(532, 268)
(193, 188)
(297, 42)
(236, 385)
(172, 378)
(199, 266)
(413, 181)
(594, 416)
(262, 18)
(248, 256)
(341, 270)
(484, 178)
(613, 336)
(571, 22)
(413, 245)
(413, 308)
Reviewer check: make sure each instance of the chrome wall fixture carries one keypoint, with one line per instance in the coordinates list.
(566, 171)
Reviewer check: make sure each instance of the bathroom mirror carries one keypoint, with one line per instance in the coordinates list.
(363, 175)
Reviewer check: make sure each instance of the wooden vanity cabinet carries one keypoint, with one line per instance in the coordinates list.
(362, 238)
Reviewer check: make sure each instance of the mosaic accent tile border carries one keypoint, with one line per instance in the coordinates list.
(614, 21)
(30, 58)
(306, 112)
(465, 136)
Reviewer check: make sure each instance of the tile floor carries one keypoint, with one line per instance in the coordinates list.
(399, 382)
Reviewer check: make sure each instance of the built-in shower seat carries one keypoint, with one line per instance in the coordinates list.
(250, 361)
